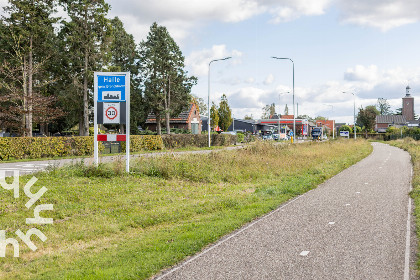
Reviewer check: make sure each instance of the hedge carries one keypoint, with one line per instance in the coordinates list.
(174, 141)
(47, 147)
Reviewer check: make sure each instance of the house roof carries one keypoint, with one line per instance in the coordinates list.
(391, 119)
(181, 118)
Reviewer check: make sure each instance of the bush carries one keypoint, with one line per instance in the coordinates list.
(240, 137)
(197, 140)
(140, 143)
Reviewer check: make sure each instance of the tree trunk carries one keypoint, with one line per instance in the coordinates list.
(158, 126)
(81, 125)
(85, 98)
(30, 99)
(167, 108)
(25, 101)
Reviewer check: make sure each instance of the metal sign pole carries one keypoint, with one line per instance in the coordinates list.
(127, 124)
(111, 98)
(95, 122)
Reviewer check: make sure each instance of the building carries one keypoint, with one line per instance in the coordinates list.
(407, 118)
(408, 105)
(385, 121)
(188, 120)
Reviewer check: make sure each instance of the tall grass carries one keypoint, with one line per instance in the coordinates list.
(413, 148)
(112, 225)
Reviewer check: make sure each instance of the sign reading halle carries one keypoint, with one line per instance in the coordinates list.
(111, 88)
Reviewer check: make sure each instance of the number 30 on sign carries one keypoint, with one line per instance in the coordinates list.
(111, 113)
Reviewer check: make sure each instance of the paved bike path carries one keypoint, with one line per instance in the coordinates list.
(354, 226)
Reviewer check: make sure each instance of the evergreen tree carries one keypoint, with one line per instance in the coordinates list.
(87, 42)
(166, 84)
(27, 45)
(225, 114)
(124, 56)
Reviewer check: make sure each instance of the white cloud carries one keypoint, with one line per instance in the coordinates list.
(362, 73)
(383, 14)
(198, 61)
(269, 80)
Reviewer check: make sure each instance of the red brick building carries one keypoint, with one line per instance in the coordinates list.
(188, 120)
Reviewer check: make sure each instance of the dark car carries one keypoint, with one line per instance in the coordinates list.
(316, 133)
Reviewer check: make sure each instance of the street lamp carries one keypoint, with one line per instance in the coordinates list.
(354, 113)
(208, 101)
(294, 121)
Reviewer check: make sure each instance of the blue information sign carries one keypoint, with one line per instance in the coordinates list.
(111, 88)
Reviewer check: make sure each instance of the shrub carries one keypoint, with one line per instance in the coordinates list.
(197, 140)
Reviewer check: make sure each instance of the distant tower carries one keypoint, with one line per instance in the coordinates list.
(408, 105)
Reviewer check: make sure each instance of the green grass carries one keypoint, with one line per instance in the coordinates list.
(413, 148)
(112, 225)
(117, 154)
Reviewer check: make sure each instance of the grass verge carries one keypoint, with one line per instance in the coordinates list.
(413, 148)
(112, 225)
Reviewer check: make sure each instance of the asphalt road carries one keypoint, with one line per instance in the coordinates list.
(354, 226)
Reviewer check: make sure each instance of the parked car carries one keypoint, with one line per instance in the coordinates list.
(316, 133)
(276, 136)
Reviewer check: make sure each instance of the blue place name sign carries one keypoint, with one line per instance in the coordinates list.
(111, 88)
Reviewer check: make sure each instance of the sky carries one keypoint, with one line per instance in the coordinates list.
(367, 47)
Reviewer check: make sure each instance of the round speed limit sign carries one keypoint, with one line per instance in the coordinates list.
(111, 113)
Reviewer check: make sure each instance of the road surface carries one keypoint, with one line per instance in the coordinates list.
(357, 225)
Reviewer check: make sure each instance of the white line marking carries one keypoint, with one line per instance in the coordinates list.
(228, 238)
(331, 223)
(408, 235)
(304, 253)
(357, 192)
(347, 204)
(366, 183)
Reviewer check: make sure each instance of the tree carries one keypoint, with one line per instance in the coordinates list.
(305, 117)
(320, 118)
(87, 41)
(248, 117)
(225, 114)
(367, 118)
(27, 44)
(166, 84)
(124, 56)
(383, 107)
(286, 110)
(200, 104)
(214, 115)
(346, 128)
(398, 111)
(269, 111)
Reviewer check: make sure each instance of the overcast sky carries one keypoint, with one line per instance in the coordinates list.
(370, 47)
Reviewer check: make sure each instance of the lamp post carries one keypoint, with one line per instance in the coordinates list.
(208, 101)
(354, 113)
(294, 121)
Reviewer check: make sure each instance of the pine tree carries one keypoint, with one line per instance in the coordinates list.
(87, 41)
(27, 44)
(166, 84)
